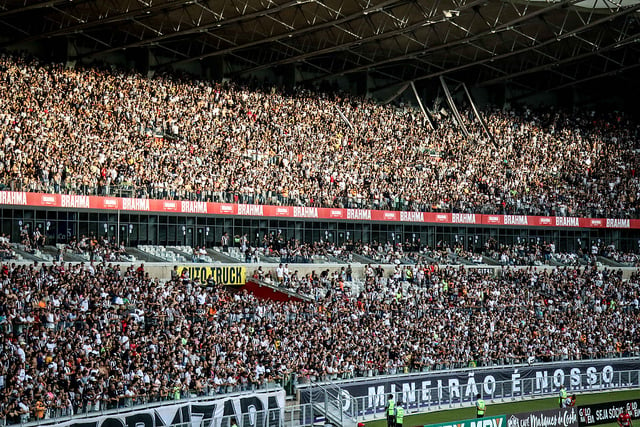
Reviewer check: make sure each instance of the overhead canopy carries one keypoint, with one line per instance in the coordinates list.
(482, 42)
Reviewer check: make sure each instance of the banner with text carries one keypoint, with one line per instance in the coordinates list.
(67, 201)
(567, 417)
(604, 413)
(451, 387)
(219, 275)
(260, 409)
(498, 421)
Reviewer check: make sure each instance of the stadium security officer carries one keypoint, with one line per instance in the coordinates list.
(563, 397)
(399, 414)
(480, 406)
(391, 411)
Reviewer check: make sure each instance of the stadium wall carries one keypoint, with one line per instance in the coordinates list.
(456, 388)
(169, 222)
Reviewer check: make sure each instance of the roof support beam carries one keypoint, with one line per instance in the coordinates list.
(372, 9)
(344, 46)
(202, 28)
(125, 16)
(464, 40)
(608, 18)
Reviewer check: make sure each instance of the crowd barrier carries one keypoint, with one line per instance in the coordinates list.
(362, 398)
(22, 198)
(581, 416)
(256, 409)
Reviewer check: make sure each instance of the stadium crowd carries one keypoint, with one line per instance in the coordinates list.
(104, 131)
(85, 337)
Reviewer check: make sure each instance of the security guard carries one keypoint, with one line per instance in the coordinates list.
(563, 397)
(399, 414)
(234, 423)
(481, 407)
(391, 411)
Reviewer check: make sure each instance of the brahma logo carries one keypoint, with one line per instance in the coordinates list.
(13, 198)
(226, 208)
(442, 218)
(194, 207)
(250, 210)
(463, 218)
(74, 201)
(280, 211)
(596, 223)
(618, 223)
(170, 206)
(492, 219)
(515, 220)
(305, 212)
(135, 204)
(110, 203)
(48, 199)
(336, 213)
(567, 221)
(412, 216)
(359, 214)
(390, 215)
(545, 220)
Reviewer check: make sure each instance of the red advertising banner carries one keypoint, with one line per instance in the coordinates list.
(21, 198)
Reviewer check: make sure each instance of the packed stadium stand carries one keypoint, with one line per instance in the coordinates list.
(102, 132)
(400, 186)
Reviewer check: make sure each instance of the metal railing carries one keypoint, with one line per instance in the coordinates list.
(333, 403)
(127, 189)
(443, 397)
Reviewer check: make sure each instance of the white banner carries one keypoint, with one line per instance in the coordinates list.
(259, 409)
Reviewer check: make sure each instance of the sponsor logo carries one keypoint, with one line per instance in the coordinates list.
(220, 275)
(492, 219)
(495, 422)
(305, 212)
(13, 198)
(441, 218)
(567, 221)
(226, 208)
(551, 418)
(618, 223)
(336, 213)
(110, 203)
(463, 218)
(515, 220)
(596, 223)
(389, 215)
(359, 214)
(545, 220)
(412, 216)
(194, 207)
(48, 200)
(135, 204)
(603, 413)
(170, 206)
(282, 211)
(250, 210)
(483, 422)
(74, 201)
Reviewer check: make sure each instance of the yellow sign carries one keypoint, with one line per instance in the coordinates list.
(220, 275)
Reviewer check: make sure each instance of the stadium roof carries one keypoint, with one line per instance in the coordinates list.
(532, 44)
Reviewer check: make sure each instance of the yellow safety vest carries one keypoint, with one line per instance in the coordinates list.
(399, 415)
(391, 407)
(563, 394)
(480, 406)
